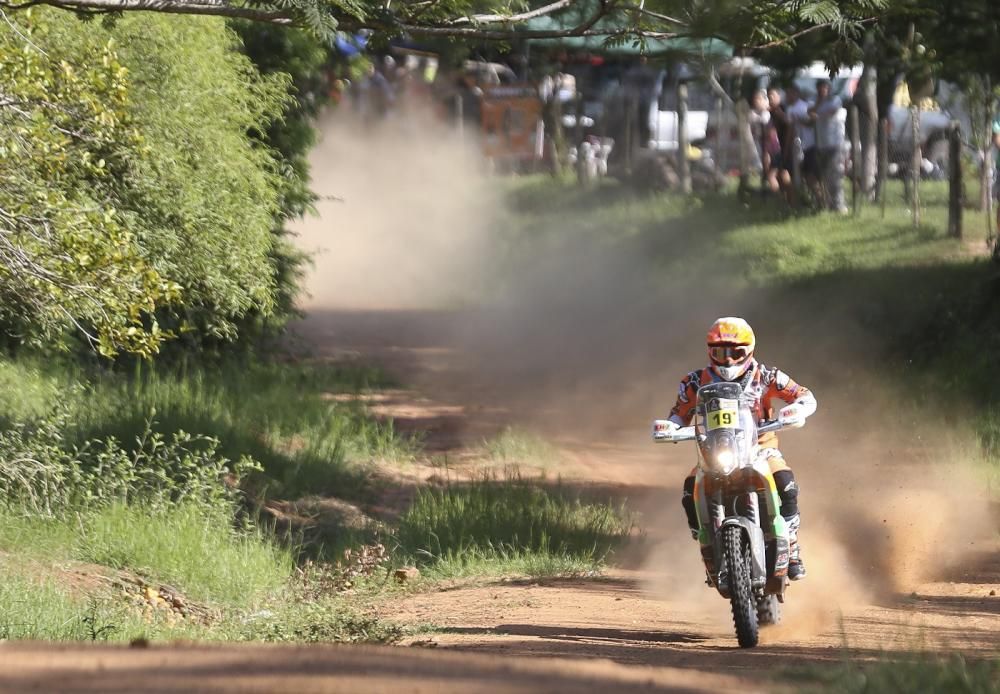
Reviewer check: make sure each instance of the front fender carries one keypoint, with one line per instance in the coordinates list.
(756, 538)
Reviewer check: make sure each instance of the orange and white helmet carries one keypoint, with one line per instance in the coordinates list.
(730, 347)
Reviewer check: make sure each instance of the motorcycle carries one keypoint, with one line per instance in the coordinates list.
(744, 538)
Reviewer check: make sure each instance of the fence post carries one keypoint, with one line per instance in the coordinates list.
(855, 161)
(745, 140)
(581, 164)
(629, 129)
(915, 162)
(955, 181)
(719, 164)
(683, 166)
(987, 179)
(883, 161)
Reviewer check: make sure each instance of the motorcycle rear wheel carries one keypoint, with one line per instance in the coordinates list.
(737, 557)
(768, 610)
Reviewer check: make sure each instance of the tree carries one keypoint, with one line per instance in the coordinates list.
(136, 197)
(304, 58)
(743, 24)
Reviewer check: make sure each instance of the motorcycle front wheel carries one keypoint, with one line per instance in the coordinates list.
(737, 554)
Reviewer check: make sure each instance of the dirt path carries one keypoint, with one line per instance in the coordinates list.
(868, 590)
(334, 669)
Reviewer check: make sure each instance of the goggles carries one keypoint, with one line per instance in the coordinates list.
(728, 355)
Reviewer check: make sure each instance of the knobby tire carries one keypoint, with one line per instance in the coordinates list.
(737, 553)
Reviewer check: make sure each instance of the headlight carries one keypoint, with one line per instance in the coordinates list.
(726, 460)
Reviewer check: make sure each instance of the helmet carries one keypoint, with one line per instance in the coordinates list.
(730, 347)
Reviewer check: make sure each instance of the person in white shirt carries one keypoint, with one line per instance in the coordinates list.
(830, 144)
(797, 109)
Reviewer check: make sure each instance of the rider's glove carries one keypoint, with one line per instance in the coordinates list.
(791, 416)
(663, 429)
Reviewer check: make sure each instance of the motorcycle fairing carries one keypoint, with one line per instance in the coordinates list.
(703, 488)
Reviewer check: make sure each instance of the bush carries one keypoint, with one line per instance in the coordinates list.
(141, 206)
(40, 473)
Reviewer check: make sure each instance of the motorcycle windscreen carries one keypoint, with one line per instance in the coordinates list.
(725, 428)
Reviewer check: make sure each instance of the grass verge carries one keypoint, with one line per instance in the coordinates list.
(509, 524)
(927, 672)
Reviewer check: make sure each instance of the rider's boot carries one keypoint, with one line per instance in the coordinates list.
(796, 567)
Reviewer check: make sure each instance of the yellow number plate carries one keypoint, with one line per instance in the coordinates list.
(726, 417)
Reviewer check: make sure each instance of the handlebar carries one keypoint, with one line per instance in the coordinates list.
(661, 435)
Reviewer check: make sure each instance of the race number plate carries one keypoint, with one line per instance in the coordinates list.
(722, 414)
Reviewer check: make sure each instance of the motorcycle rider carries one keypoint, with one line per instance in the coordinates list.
(731, 345)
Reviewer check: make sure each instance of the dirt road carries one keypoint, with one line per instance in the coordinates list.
(584, 342)
(650, 626)
(890, 568)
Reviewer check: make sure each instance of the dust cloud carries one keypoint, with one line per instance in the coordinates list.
(403, 215)
(585, 342)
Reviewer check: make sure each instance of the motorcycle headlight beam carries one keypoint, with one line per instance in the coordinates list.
(726, 460)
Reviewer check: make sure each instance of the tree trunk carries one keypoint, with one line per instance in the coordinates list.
(683, 166)
(867, 103)
(954, 181)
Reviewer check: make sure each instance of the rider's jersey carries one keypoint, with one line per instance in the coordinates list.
(761, 382)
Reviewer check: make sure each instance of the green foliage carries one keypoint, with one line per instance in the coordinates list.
(508, 517)
(321, 621)
(927, 672)
(66, 253)
(303, 423)
(280, 414)
(40, 471)
(187, 546)
(303, 58)
(38, 607)
(136, 204)
(513, 446)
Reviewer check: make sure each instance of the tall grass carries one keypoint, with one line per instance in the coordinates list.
(191, 547)
(517, 447)
(509, 520)
(279, 414)
(921, 672)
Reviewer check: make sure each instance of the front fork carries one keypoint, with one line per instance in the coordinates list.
(710, 508)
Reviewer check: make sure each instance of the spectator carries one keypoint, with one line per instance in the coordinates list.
(830, 144)
(996, 169)
(778, 155)
(759, 117)
(802, 129)
(640, 87)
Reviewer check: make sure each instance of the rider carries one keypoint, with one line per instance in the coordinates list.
(730, 351)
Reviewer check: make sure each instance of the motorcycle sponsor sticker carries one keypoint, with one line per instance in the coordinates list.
(722, 414)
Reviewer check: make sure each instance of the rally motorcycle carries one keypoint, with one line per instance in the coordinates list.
(744, 539)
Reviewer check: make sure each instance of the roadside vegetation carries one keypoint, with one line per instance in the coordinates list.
(928, 672)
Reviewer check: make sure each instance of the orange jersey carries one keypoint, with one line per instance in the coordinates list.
(762, 383)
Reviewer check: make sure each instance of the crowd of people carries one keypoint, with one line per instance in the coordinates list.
(800, 140)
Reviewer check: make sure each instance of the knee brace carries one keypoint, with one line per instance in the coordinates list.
(788, 492)
(687, 500)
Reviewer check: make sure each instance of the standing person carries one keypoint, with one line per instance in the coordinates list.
(996, 173)
(759, 117)
(802, 129)
(778, 165)
(640, 86)
(830, 144)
